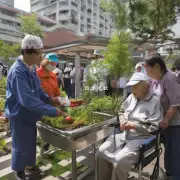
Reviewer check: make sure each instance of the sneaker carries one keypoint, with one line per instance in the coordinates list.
(20, 175)
(34, 171)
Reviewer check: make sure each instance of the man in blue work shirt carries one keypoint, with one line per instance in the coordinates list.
(25, 105)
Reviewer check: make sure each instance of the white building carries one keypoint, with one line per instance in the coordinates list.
(10, 23)
(81, 16)
(7, 2)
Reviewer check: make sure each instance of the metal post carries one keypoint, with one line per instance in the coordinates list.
(42, 149)
(140, 171)
(97, 169)
(74, 167)
(93, 153)
(77, 75)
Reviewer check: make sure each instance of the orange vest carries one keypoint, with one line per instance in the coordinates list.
(49, 82)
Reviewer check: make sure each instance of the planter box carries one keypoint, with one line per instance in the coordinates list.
(78, 138)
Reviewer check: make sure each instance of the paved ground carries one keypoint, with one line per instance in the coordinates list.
(85, 157)
(147, 169)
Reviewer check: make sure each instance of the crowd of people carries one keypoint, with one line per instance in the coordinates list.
(152, 101)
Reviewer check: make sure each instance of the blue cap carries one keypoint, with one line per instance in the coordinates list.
(52, 57)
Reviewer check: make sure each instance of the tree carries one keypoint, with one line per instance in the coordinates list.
(118, 57)
(8, 51)
(30, 25)
(147, 19)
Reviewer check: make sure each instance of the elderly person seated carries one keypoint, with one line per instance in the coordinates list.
(141, 117)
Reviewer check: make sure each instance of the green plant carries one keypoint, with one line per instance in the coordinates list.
(83, 115)
(147, 20)
(63, 94)
(118, 57)
(2, 104)
(29, 25)
(3, 83)
(2, 143)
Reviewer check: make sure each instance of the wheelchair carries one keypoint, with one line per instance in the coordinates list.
(148, 152)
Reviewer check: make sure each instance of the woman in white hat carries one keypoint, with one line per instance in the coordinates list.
(142, 115)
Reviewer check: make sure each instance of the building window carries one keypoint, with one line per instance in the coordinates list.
(53, 16)
(52, 1)
(64, 22)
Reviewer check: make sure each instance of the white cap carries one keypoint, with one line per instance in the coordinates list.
(31, 42)
(137, 78)
(140, 64)
(97, 52)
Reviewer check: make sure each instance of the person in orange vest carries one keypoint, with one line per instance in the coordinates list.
(48, 78)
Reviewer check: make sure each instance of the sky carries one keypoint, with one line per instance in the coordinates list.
(22, 4)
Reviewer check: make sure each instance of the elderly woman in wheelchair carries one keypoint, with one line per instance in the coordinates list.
(141, 117)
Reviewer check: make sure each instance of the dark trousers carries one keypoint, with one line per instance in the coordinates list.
(67, 84)
(72, 90)
(172, 151)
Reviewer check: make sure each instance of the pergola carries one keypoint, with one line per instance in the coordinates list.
(65, 43)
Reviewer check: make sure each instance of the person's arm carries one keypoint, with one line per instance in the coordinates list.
(44, 97)
(173, 92)
(26, 98)
(72, 74)
(123, 108)
(151, 124)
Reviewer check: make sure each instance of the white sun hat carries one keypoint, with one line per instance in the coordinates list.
(137, 78)
(31, 42)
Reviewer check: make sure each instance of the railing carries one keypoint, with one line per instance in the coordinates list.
(10, 18)
(63, 17)
(8, 27)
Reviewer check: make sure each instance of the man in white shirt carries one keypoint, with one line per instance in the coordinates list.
(59, 75)
(67, 78)
(73, 80)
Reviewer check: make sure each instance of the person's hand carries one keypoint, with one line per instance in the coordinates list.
(164, 123)
(130, 125)
(55, 101)
(122, 125)
(3, 120)
(61, 113)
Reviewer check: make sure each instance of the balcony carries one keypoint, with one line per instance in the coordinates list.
(50, 10)
(82, 29)
(11, 38)
(73, 27)
(74, 8)
(76, 1)
(9, 18)
(64, 17)
(34, 2)
(74, 20)
(9, 28)
(89, 15)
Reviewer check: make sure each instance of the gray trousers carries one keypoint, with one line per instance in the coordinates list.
(116, 158)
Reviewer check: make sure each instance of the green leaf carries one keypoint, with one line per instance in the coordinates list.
(30, 25)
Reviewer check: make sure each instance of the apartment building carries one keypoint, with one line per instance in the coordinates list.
(7, 2)
(81, 16)
(10, 23)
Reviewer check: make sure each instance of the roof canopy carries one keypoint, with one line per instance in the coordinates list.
(65, 42)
